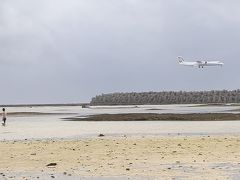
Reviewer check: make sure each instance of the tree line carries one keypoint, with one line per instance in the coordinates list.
(168, 97)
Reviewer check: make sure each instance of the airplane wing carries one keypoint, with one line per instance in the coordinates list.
(202, 62)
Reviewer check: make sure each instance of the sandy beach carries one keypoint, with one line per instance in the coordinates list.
(150, 157)
(38, 143)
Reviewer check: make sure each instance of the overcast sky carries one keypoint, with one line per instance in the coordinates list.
(63, 51)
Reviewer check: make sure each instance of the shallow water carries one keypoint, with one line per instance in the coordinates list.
(52, 126)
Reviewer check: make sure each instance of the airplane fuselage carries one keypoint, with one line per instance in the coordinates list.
(199, 64)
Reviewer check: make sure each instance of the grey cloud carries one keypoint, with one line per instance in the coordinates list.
(68, 51)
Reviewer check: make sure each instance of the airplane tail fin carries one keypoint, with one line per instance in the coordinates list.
(180, 59)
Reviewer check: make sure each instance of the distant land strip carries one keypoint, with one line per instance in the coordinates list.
(39, 105)
(159, 117)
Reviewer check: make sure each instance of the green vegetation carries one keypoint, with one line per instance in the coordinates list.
(170, 97)
(159, 117)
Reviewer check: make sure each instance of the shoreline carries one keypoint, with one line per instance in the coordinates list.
(26, 114)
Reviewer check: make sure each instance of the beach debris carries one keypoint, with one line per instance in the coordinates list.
(51, 164)
(64, 173)
(33, 154)
(127, 169)
(101, 135)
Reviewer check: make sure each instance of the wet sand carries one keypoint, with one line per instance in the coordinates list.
(27, 114)
(152, 157)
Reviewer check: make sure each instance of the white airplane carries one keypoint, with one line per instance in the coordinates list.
(199, 64)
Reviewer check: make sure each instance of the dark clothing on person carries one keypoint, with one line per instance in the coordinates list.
(4, 120)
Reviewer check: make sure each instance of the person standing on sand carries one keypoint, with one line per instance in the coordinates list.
(4, 117)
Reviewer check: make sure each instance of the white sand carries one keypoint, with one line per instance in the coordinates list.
(214, 157)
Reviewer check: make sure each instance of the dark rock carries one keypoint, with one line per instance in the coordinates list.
(51, 164)
(101, 135)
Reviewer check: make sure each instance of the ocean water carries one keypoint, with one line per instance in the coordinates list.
(52, 126)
